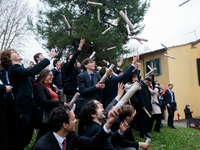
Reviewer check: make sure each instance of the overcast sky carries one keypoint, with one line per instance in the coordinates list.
(165, 22)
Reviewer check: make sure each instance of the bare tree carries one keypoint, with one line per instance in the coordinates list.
(13, 22)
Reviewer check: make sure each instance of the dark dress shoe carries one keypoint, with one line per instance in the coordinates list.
(145, 137)
(157, 131)
(173, 127)
(151, 132)
(148, 135)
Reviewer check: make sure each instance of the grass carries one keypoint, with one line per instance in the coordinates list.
(170, 139)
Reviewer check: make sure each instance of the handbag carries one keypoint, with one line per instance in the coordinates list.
(40, 117)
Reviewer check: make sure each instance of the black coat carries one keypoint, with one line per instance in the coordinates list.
(127, 140)
(8, 127)
(42, 98)
(49, 142)
(144, 97)
(71, 73)
(22, 81)
(188, 114)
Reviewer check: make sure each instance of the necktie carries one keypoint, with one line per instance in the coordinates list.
(64, 144)
(92, 79)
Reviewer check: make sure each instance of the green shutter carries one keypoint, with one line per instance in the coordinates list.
(158, 65)
(147, 68)
(198, 69)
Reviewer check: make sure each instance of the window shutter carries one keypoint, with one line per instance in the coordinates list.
(158, 65)
(147, 68)
(198, 69)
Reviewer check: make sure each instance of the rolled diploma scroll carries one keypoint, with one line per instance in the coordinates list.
(91, 56)
(93, 3)
(105, 75)
(127, 96)
(128, 29)
(107, 29)
(169, 56)
(111, 48)
(141, 39)
(126, 19)
(98, 14)
(74, 99)
(147, 113)
(150, 72)
(149, 67)
(67, 22)
(147, 141)
(165, 46)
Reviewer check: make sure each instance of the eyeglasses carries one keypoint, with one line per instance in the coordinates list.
(50, 74)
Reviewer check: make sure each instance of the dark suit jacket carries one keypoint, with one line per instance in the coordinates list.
(127, 140)
(144, 97)
(49, 142)
(42, 98)
(71, 73)
(168, 97)
(87, 92)
(112, 88)
(8, 128)
(22, 81)
(92, 130)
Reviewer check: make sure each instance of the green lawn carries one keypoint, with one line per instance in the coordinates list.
(170, 139)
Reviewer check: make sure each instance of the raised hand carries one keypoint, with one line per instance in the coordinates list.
(52, 54)
(82, 42)
(120, 62)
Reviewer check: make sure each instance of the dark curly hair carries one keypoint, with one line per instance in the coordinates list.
(58, 116)
(85, 62)
(86, 111)
(5, 58)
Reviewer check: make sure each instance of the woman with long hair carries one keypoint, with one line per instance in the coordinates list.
(45, 96)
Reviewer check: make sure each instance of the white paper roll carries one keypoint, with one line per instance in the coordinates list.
(67, 22)
(147, 113)
(107, 29)
(128, 29)
(147, 141)
(169, 56)
(111, 48)
(149, 67)
(98, 14)
(94, 3)
(126, 19)
(92, 55)
(127, 96)
(141, 39)
(150, 72)
(125, 12)
(105, 75)
(74, 99)
(165, 46)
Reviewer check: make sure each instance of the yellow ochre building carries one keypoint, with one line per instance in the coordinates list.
(183, 72)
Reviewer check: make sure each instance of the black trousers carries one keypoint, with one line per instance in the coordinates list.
(171, 115)
(143, 122)
(155, 117)
(25, 129)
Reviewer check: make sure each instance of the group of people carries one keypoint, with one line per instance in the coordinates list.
(24, 90)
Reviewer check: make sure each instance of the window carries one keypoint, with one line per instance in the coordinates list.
(154, 63)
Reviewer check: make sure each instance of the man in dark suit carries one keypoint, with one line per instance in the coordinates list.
(171, 105)
(144, 97)
(88, 84)
(62, 136)
(71, 72)
(127, 141)
(21, 79)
